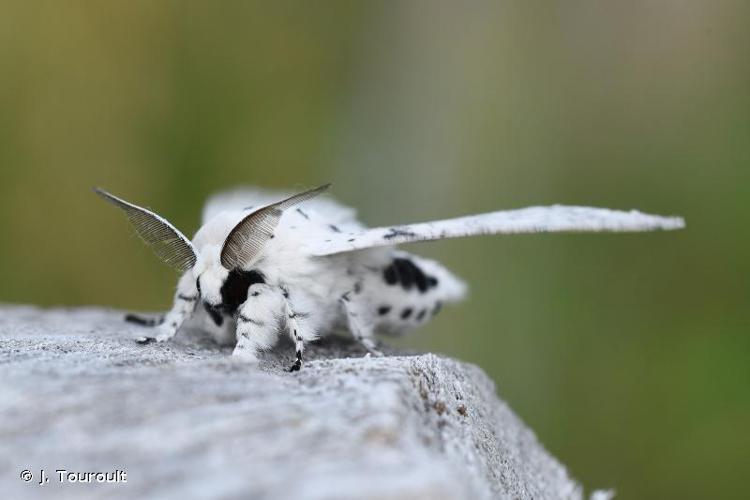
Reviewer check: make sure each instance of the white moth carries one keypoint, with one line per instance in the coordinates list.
(260, 267)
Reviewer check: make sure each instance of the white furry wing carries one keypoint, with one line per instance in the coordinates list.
(552, 219)
(242, 198)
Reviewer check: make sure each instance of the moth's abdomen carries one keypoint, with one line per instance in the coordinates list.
(407, 291)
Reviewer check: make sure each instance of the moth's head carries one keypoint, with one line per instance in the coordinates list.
(210, 275)
(222, 269)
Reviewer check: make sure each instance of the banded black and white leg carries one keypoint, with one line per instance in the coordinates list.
(185, 300)
(300, 322)
(258, 322)
(361, 322)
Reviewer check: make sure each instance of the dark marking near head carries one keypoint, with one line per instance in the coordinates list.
(145, 340)
(140, 320)
(421, 314)
(235, 288)
(215, 314)
(334, 228)
(383, 310)
(285, 292)
(395, 231)
(436, 309)
(432, 281)
(255, 293)
(303, 214)
(406, 313)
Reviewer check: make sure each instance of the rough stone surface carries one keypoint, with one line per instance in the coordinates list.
(185, 420)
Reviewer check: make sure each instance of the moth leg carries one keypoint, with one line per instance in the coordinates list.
(258, 322)
(185, 300)
(361, 324)
(300, 322)
(143, 320)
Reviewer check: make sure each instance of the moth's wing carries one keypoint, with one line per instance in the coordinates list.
(324, 207)
(552, 219)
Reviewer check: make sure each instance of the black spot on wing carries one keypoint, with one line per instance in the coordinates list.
(383, 310)
(334, 228)
(421, 314)
(303, 214)
(395, 231)
(406, 313)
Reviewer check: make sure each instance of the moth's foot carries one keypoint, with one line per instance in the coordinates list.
(245, 356)
(162, 337)
(371, 347)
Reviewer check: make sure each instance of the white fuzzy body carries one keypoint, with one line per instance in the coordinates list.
(317, 284)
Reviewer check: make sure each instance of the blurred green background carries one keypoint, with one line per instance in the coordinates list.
(628, 354)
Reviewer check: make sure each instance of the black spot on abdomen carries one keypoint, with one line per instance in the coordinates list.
(404, 272)
(390, 275)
